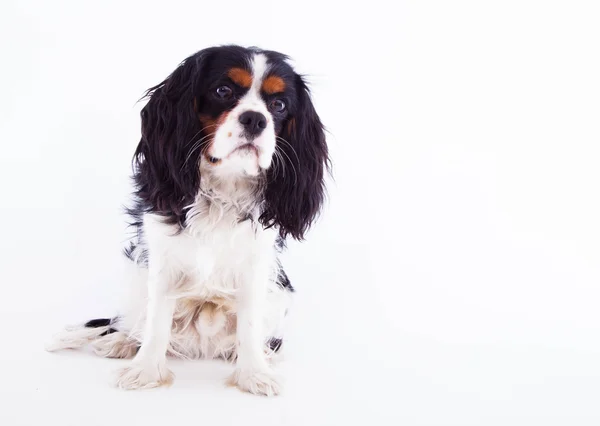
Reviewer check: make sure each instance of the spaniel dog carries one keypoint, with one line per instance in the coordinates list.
(230, 164)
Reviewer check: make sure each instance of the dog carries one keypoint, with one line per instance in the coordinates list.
(231, 164)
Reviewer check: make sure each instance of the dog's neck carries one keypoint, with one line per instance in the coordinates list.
(226, 201)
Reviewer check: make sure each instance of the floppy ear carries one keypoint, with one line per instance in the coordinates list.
(295, 187)
(166, 175)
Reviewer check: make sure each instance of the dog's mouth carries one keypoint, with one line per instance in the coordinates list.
(245, 149)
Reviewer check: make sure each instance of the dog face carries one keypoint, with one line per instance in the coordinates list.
(233, 113)
(242, 104)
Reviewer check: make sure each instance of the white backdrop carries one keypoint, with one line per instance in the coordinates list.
(454, 276)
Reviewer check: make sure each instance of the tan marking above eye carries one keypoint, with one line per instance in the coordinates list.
(241, 77)
(273, 84)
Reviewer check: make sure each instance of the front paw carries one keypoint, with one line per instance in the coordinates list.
(258, 382)
(143, 376)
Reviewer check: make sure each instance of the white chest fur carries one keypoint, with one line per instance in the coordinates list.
(208, 266)
(210, 258)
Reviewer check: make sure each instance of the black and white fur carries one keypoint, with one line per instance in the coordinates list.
(217, 194)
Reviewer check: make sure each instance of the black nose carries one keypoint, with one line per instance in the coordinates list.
(254, 122)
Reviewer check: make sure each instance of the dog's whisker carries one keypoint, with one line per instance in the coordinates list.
(279, 138)
(291, 164)
(197, 145)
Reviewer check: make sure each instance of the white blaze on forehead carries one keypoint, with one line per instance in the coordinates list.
(259, 70)
(252, 100)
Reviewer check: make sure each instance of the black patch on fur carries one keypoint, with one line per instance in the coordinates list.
(100, 322)
(132, 253)
(129, 251)
(275, 344)
(109, 331)
(280, 244)
(283, 281)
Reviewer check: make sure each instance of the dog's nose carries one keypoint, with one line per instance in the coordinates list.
(254, 122)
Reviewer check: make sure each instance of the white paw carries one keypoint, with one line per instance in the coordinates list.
(258, 382)
(144, 376)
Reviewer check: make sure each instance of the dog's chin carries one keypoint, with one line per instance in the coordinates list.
(240, 163)
(246, 160)
(246, 149)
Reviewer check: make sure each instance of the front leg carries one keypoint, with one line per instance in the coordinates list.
(252, 373)
(149, 367)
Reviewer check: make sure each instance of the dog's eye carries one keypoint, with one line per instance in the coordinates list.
(277, 105)
(223, 92)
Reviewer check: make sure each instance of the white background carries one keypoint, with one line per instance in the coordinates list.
(454, 276)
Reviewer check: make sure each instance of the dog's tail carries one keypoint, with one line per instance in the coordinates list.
(102, 333)
(78, 336)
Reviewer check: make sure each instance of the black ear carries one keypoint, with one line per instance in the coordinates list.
(166, 175)
(295, 187)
